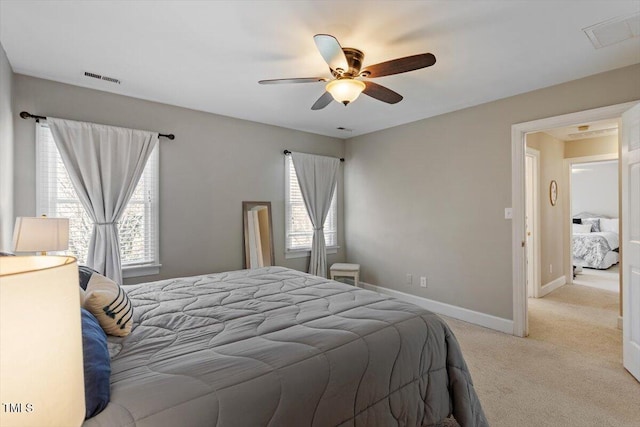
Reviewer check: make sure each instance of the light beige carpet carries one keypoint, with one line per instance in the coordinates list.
(603, 279)
(568, 372)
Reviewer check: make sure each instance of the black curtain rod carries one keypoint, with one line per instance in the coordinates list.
(287, 152)
(26, 115)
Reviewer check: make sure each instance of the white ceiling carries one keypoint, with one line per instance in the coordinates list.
(596, 129)
(209, 55)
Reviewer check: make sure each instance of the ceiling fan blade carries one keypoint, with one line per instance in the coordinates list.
(381, 93)
(299, 80)
(323, 101)
(400, 65)
(331, 51)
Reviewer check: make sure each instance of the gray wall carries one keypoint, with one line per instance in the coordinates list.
(552, 218)
(428, 198)
(214, 164)
(6, 152)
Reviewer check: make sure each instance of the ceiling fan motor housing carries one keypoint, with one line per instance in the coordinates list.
(354, 60)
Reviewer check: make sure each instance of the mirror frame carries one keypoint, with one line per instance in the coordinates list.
(246, 206)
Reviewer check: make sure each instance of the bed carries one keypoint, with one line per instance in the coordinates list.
(279, 347)
(595, 241)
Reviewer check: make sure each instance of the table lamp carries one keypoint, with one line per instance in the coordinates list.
(40, 342)
(40, 234)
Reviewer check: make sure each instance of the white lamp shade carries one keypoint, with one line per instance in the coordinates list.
(40, 234)
(345, 90)
(40, 342)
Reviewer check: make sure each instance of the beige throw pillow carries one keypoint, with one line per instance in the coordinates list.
(109, 303)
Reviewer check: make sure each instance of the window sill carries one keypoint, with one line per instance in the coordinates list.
(303, 253)
(140, 270)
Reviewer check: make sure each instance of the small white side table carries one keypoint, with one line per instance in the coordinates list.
(341, 269)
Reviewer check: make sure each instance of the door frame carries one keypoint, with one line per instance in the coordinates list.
(537, 251)
(568, 164)
(518, 196)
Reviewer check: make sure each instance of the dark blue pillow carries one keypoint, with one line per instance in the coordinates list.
(97, 365)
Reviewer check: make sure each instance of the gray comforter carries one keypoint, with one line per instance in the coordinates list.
(277, 347)
(591, 248)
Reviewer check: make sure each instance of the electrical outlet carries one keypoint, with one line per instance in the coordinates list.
(550, 268)
(409, 280)
(423, 282)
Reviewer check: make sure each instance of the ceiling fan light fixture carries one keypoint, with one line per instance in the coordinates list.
(345, 90)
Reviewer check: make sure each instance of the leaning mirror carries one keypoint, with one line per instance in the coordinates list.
(258, 234)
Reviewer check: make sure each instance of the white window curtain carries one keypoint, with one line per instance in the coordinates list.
(104, 164)
(317, 176)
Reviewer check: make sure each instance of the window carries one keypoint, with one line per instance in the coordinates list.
(298, 228)
(138, 227)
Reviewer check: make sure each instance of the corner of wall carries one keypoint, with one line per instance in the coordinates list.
(6, 151)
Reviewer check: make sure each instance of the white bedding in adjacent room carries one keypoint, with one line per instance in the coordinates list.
(613, 239)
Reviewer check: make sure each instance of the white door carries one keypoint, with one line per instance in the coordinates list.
(630, 163)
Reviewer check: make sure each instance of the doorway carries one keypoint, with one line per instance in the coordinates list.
(532, 221)
(519, 132)
(561, 313)
(594, 191)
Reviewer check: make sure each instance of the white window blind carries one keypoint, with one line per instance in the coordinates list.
(56, 197)
(298, 228)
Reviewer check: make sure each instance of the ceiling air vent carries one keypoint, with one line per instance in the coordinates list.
(614, 31)
(101, 77)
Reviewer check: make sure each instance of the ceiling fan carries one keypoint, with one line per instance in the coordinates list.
(345, 65)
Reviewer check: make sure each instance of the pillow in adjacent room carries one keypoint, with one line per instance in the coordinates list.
(581, 228)
(610, 225)
(97, 365)
(595, 224)
(110, 304)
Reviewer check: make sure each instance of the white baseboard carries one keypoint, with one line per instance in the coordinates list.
(552, 286)
(464, 314)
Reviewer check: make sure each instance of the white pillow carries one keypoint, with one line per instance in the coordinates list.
(595, 223)
(110, 304)
(609, 225)
(581, 228)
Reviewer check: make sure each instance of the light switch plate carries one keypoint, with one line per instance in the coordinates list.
(508, 213)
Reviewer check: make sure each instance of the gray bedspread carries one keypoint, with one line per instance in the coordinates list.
(277, 347)
(591, 249)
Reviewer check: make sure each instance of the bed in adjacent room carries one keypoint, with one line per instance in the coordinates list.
(596, 241)
(278, 347)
